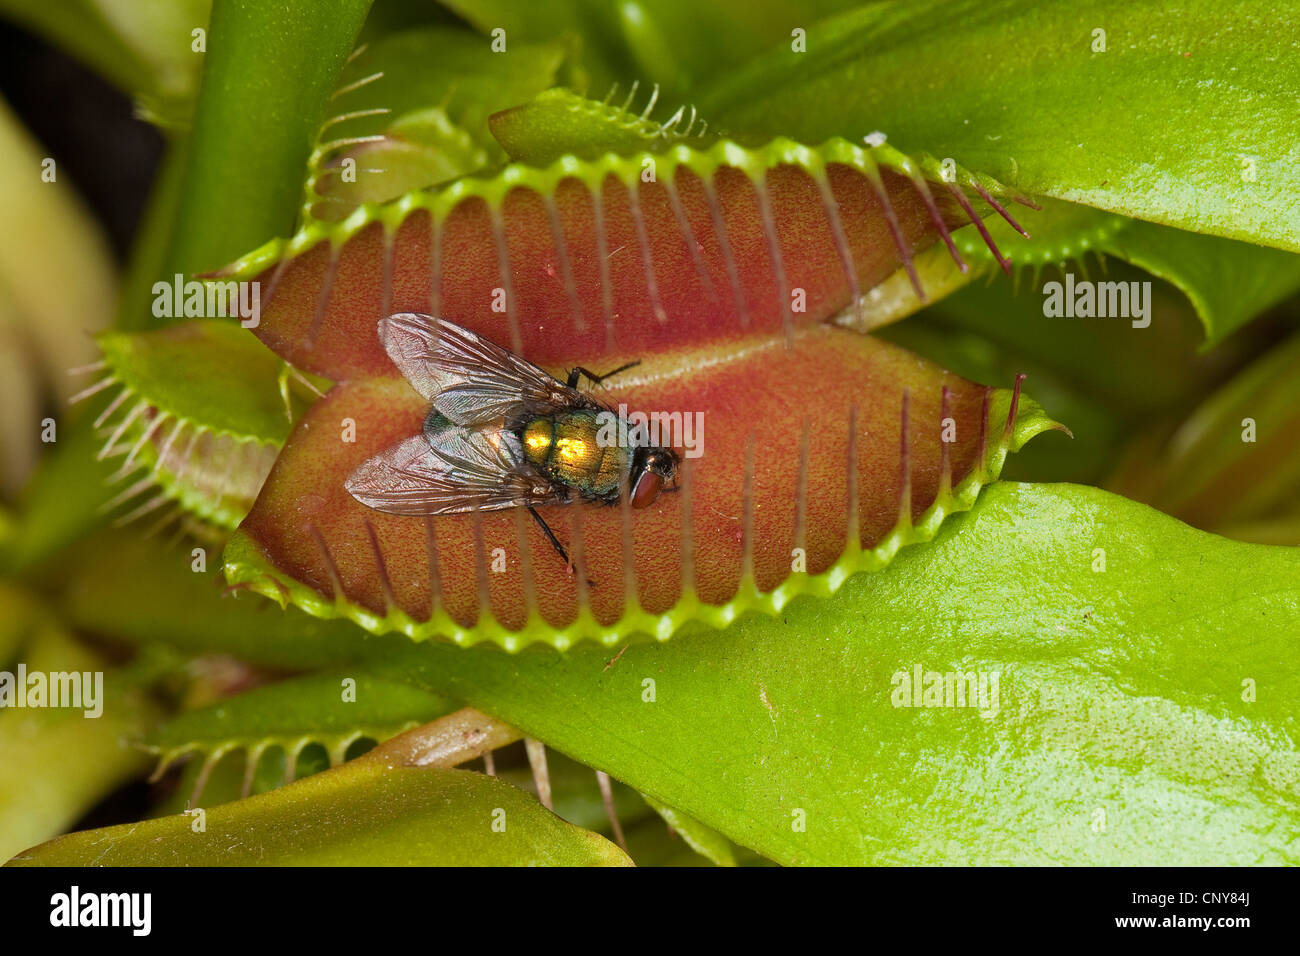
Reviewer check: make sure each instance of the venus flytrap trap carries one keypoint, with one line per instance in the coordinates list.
(843, 215)
(331, 711)
(195, 420)
(411, 112)
(423, 576)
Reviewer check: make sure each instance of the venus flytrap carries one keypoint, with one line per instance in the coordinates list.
(195, 419)
(829, 188)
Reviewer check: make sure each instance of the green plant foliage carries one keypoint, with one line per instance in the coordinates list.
(56, 763)
(1024, 92)
(125, 587)
(1232, 465)
(1047, 674)
(332, 710)
(673, 43)
(1227, 282)
(1129, 699)
(361, 814)
(253, 125)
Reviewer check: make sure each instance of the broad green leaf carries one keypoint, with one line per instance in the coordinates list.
(362, 814)
(1131, 700)
(1228, 282)
(1182, 115)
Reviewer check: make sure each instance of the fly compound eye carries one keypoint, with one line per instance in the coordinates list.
(646, 490)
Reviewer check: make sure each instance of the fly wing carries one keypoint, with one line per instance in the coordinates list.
(450, 471)
(468, 379)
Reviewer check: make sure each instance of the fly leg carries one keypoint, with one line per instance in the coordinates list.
(580, 372)
(555, 542)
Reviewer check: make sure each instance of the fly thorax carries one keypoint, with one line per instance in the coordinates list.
(568, 448)
(575, 452)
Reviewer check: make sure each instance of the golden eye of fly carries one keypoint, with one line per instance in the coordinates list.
(537, 441)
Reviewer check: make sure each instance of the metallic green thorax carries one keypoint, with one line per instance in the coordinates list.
(565, 447)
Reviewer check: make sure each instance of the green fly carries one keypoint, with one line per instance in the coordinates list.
(501, 433)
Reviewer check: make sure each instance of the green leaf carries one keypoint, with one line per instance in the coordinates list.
(706, 842)
(362, 814)
(1130, 700)
(1228, 282)
(1166, 124)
